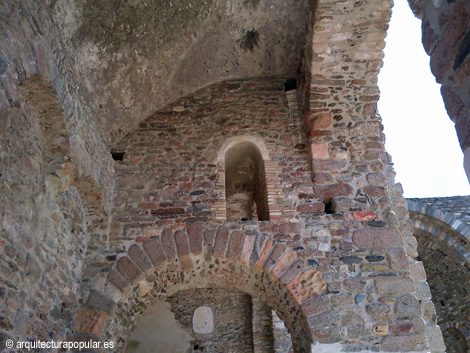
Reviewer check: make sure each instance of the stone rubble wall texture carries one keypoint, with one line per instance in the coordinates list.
(442, 230)
(88, 243)
(233, 319)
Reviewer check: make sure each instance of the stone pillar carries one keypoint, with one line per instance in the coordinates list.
(263, 340)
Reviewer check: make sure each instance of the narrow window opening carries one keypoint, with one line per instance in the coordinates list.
(117, 155)
(290, 84)
(329, 207)
(245, 184)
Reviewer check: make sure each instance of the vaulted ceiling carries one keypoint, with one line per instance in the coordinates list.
(131, 58)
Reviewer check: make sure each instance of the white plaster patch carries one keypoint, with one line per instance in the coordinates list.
(203, 320)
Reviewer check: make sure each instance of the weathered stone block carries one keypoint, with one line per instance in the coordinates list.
(316, 305)
(394, 286)
(379, 311)
(326, 318)
(89, 322)
(327, 192)
(407, 306)
(407, 343)
(376, 238)
(99, 301)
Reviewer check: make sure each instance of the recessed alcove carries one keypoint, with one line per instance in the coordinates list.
(245, 183)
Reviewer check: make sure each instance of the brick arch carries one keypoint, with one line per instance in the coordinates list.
(200, 255)
(444, 247)
(452, 329)
(446, 226)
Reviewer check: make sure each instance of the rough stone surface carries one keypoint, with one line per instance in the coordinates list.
(118, 129)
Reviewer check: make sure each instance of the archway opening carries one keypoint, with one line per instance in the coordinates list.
(212, 319)
(245, 183)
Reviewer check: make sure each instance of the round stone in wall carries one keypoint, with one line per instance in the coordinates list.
(203, 320)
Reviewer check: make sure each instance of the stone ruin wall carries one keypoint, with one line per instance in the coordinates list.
(361, 249)
(442, 231)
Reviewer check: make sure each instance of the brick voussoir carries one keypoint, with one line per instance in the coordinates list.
(195, 234)
(182, 243)
(235, 246)
(285, 262)
(154, 249)
(297, 268)
(221, 242)
(268, 246)
(89, 321)
(140, 258)
(118, 280)
(248, 246)
(129, 270)
(276, 254)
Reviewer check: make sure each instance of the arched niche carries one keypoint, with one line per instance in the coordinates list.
(246, 193)
(212, 319)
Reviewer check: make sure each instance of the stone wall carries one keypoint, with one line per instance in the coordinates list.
(442, 231)
(337, 258)
(446, 39)
(232, 315)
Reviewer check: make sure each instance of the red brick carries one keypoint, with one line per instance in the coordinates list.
(167, 211)
(248, 245)
(319, 151)
(321, 121)
(140, 258)
(276, 254)
(221, 241)
(265, 253)
(169, 244)
(89, 322)
(129, 270)
(376, 238)
(195, 237)
(235, 245)
(285, 262)
(154, 250)
(364, 215)
(293, 272)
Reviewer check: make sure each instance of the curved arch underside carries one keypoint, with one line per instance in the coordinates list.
(443, 246)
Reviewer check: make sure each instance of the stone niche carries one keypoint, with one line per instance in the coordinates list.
(209, 320)
(245, 183)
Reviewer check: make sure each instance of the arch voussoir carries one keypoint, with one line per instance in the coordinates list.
(204, 255)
